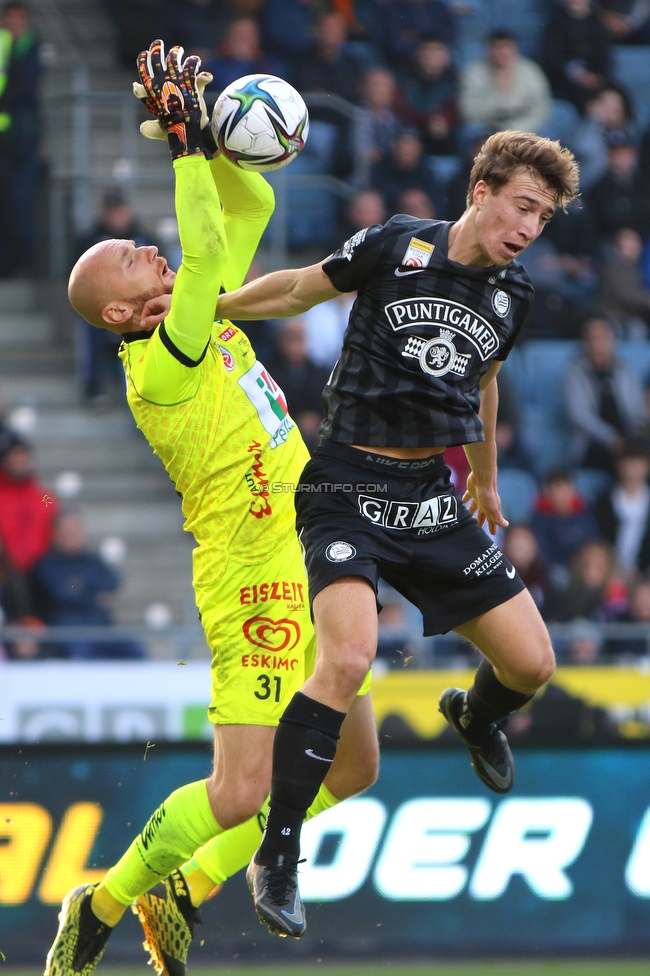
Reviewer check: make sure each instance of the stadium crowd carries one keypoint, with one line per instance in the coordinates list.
(428, 80)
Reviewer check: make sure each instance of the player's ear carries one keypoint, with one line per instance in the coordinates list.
(117, 313)
(480, 191)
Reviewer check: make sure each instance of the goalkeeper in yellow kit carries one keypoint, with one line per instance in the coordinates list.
(221, 427)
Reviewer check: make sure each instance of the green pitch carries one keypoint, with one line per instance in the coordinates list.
(550, 968)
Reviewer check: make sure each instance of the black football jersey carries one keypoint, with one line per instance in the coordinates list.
(422, 332)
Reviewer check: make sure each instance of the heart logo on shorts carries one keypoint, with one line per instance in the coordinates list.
(272, 635)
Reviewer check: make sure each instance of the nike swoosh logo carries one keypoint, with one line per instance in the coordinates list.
(510, 573)
(296, 916)
(403, 274)
(502, 781)
(312, 755)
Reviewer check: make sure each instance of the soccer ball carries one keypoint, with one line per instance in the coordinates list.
(260, 123)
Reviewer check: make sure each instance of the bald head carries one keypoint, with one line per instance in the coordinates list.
(113, 279)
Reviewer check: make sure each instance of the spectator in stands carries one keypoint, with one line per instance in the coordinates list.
(416, 203)
(572, 234)
(504, 90)
(522, 549)
(576, 51)
(607, 113)
(628, 21)
(27, 510)
(621, 198)
(240, 55)
(326, 324)
(638, 612)
(623, 511)
(287, 27)
(97, 363)
(456, 196)
(20, 78)
(428, 91)
(74, 588)
(562, 275)
(562, 521)
(604, 398)
(15, 595)
(326, 66)
(405, 169)
(584, 643)
(594, 591)
(366, 207)
(301, 380)
(194, 24)
(624, 297)
(376, 126)
(7, 436)
(406, 22)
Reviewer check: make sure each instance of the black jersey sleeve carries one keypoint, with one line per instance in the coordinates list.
(349, 267)
(526, 296)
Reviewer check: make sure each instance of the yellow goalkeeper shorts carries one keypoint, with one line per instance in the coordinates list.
(259, 629)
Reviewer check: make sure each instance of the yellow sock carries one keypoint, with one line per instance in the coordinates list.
(198, 883)
(183, 823)
(105, 907)
(231, 851)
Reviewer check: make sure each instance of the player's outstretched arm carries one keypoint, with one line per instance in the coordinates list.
(278, 295)
(482, 496)
(248, 202)
(170, 84)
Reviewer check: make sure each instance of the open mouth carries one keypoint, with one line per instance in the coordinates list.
(166, 270)
(513, 249)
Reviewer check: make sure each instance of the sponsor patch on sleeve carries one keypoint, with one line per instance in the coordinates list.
(417, 254)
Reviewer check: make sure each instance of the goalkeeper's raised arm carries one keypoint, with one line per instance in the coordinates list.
(113, 280)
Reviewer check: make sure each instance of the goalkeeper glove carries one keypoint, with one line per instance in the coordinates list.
(170, 93)
(153, 130)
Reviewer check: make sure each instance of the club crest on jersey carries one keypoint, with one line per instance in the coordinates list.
(347, 251)
(501, 302)
(228, 360)
(340, 552)
(437, 356)
(417, 254)
(449, 315)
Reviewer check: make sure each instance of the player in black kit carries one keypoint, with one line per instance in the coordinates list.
(439, 307)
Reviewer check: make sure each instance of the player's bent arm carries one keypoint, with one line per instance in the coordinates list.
(482, 495)
(248, 202)
(278, 295)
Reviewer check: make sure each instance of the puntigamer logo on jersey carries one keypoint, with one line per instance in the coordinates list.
(412, 312)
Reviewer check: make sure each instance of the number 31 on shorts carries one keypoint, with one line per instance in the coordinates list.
(269, 686)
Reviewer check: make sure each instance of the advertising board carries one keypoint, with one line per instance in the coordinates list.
(427, 862)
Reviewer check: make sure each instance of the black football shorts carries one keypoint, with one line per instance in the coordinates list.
(363, 514)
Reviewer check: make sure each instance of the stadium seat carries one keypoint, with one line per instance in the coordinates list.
(637, 355)
(545, 364)
(517, 490)
(312, 217)
(444, 168)
(591, 483)
(563, 120)
(631, 67)
(545, 430)
(525, 18)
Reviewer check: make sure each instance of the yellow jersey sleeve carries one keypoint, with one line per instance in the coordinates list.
(248, 203)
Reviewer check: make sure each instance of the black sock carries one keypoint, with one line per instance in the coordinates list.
(303, 751)
(488, 701)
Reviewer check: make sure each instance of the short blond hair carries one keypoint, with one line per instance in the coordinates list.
(506, 152)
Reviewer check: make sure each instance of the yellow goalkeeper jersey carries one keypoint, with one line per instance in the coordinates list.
(207, 406)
